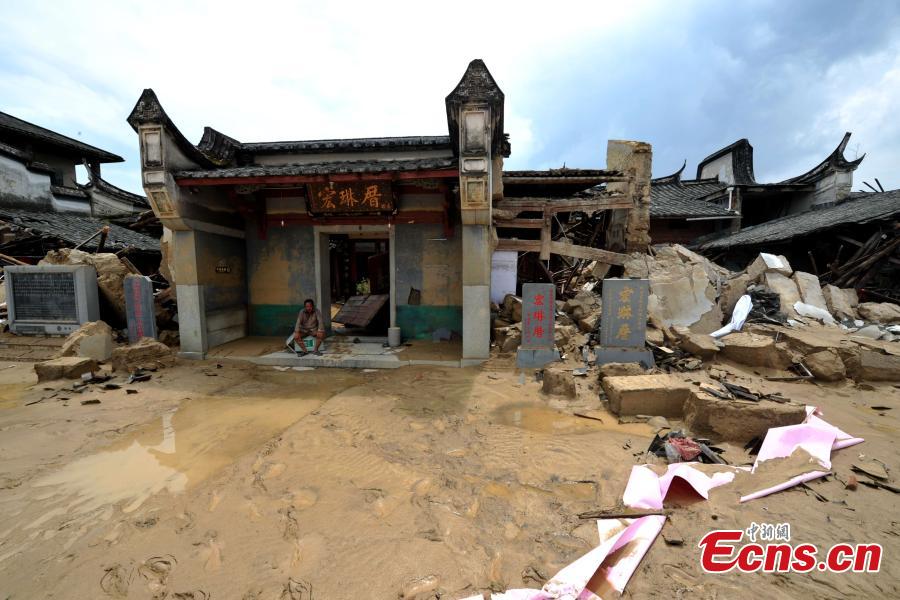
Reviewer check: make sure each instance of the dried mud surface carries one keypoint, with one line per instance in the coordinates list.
(422, 482)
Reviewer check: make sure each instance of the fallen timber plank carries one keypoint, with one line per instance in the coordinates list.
(564, 249)
(555, 206)
(519, 223)
(604, 256)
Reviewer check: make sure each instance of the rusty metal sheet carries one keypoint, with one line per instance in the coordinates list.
(358, 311)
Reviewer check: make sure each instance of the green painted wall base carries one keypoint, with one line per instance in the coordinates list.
(273, 319)
(415, 322)
(418, 322)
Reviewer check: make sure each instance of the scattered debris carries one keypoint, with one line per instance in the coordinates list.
(145, 352)
(676, 446)
(66, 367)
(138, 376)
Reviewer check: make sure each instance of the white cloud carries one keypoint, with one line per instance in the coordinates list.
(574, 75)
(274, 70)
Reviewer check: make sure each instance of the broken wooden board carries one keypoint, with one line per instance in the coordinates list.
(564, 249)
(358, 311)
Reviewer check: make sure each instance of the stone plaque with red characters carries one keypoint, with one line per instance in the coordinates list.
(538, 308)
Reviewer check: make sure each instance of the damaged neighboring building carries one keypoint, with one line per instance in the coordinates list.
(44, 208)
(405, 227)
(37, 173)
(725, 196)
(852, 243)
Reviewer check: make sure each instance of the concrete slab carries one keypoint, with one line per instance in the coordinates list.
(737, 420)
(656, 395)
(342, 353)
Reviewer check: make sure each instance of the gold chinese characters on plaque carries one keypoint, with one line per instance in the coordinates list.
(353, 198)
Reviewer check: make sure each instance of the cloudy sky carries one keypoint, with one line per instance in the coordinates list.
(687, 76)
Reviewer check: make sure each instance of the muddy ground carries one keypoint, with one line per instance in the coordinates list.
(238, 481)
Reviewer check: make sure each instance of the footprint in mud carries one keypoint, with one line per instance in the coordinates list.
(116, 580)
(214, 500)
(273, 470)
(155, 571)
(304, 498)
(417, 587)
(680, 576)
(195, 595)
(289, 520)
(253, 511)
(297, 590)
(210, 551)
(187, 522)
(266, 450)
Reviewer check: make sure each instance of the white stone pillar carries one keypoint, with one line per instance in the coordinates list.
(191, 300)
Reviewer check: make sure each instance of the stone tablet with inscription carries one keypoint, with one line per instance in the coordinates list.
(538, 308)
(623, 322)
(624, 317)
(140, 310)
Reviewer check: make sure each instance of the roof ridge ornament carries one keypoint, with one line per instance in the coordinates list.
(148, 110)
(477, 86)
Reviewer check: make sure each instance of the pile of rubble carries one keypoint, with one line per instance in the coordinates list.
(99, 342)
(796, 326)
(111, 273)
(576, 319)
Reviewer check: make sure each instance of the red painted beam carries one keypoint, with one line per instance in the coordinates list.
(420, 216)
(337, 177)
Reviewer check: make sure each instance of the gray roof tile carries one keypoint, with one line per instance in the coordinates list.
(74, 229)
(327, 168)
(672, 199)
(18, 127)
(860, 208)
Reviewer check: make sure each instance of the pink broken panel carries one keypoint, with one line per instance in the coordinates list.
(842, 439)
(781, 442)
(606, 568)
(646, 489)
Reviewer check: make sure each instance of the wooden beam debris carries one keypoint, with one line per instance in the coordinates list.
(564, 249)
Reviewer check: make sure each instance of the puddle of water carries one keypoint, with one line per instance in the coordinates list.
(541, 419)
(178, 451)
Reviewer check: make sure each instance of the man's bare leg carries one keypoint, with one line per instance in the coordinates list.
(320, 335)
(299, 339)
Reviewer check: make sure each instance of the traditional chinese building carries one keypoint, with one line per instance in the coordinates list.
(405, 223)
(257, 227)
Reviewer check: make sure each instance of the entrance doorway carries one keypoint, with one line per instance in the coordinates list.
(360, 283)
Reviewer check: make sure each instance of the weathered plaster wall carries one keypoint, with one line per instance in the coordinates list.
(65, 167)
(628, 230)
(281, 275)
(223, 289)
(23, 188)
(212, 305)
(722, 167)
(832, 188)
(432, 265)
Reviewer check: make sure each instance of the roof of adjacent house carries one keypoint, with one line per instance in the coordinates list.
(23, 129)
(672, 197)
(75, 229)
(328, 168)
(859, 209)
(98, 183)
(742, 161)
(415, 142)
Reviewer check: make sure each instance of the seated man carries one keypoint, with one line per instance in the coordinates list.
(309, 322)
